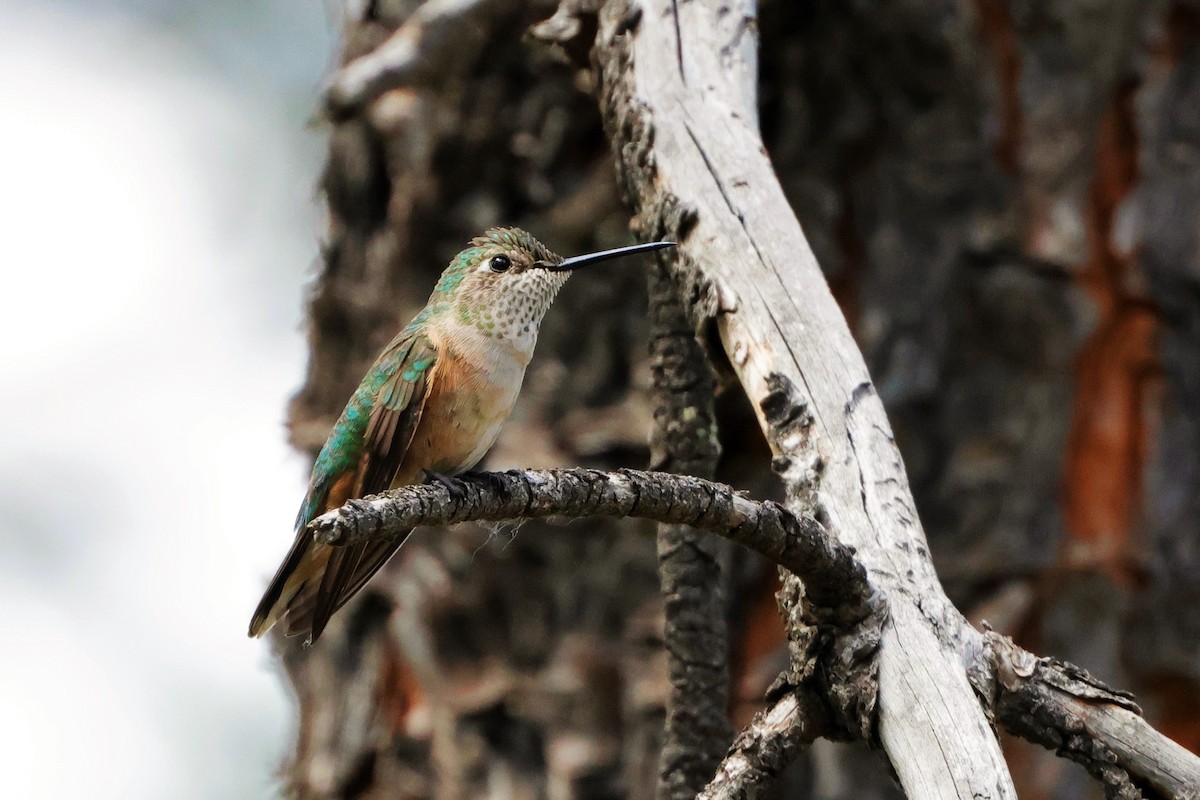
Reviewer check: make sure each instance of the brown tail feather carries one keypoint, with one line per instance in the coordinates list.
(266, 614)
(347, 572)
(318, 597)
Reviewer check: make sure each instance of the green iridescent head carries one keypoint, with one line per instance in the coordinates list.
(490, 259)
(505, 280)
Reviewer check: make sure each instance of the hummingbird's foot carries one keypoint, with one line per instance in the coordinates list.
(444, 480)
(491, 480)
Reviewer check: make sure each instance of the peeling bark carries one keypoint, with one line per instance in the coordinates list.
(766, 747)
(1063, 708)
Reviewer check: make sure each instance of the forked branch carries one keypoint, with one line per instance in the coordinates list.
(1050, 702)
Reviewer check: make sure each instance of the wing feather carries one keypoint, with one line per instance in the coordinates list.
(304, 594)
(393, 421)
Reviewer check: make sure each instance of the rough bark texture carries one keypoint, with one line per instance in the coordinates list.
(1065, 709)
(1003, 196)
(768, 746)
(693, 166)
(1050, 702)
(684, 441)
(835, 582)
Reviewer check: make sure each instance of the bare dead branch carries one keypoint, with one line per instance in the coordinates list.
(697, 730)
(1065, 709)
(834, 578)
(1049, 702)
(674, 85)
(767, 746)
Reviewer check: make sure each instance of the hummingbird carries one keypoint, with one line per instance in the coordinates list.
(430, 406)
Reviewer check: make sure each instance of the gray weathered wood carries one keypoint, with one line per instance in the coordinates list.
(930, 197)
(767, 746)
(674, 93)
(1050, 702)
(1063, 708)
(1140, 750)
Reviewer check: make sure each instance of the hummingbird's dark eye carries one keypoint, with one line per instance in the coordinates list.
(500, 264)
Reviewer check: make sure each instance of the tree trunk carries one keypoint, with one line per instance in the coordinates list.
(1003, 197)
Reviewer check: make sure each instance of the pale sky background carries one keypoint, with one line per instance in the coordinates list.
(158, 223)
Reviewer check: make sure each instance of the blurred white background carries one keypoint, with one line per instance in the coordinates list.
(157, 225)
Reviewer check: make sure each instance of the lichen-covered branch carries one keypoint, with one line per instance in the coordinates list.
(697, 730)
(835, 580)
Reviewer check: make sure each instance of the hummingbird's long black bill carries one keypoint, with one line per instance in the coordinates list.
(575, 262)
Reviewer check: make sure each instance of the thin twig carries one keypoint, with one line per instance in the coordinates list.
(767, 746)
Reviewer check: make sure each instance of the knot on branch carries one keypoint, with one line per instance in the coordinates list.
(1018, 670)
